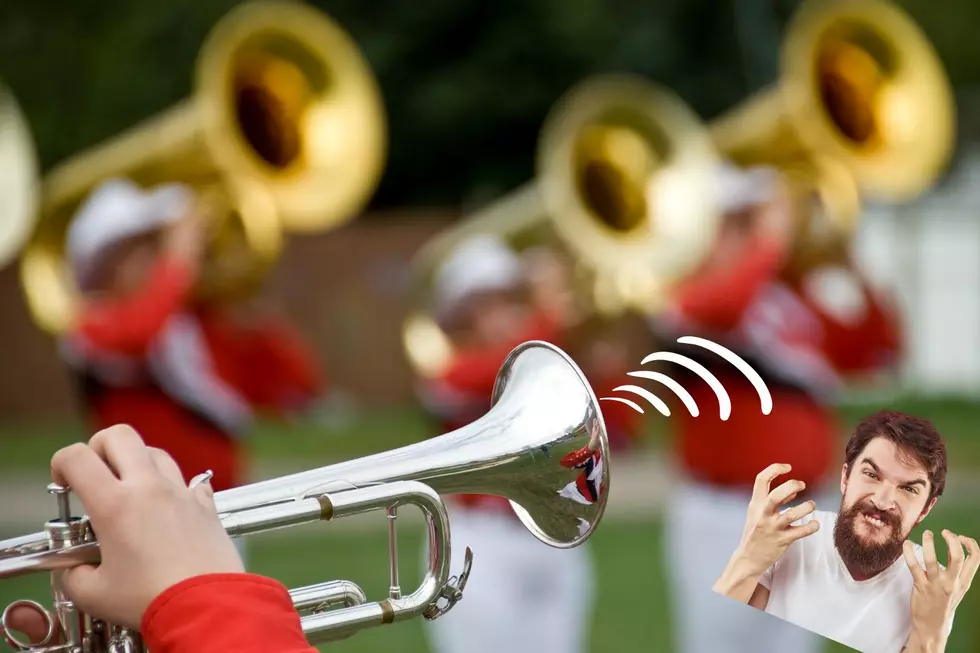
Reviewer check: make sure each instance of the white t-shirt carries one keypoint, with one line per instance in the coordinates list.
(810, 587)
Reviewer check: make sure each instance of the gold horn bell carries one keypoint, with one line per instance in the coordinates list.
(622, 164)
(285, 132)
(862, 108)
(19, 174)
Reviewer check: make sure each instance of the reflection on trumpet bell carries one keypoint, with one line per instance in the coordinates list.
(623, 166)
(543, 445)
(284, 133)
(19, 176)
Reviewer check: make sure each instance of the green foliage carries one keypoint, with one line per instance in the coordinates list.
(466, 84)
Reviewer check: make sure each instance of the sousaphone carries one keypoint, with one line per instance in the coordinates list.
(284, 133)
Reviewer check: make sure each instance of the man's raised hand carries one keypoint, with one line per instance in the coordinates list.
(769, 532)
(936, 592)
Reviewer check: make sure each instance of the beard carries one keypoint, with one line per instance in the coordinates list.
(862, 556)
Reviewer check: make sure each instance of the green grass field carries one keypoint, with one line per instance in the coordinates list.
(634, 609)
(29, 446)
(633, 612)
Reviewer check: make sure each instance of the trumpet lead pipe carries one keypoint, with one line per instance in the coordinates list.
(327, 595)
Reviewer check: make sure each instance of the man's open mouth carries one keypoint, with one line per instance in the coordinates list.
(875, 520)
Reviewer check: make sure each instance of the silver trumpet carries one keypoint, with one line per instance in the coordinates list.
(542, 445)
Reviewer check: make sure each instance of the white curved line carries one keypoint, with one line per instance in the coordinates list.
(724, 403)
(635, 406)
(760, 386)
(654, 400)
(678, 389)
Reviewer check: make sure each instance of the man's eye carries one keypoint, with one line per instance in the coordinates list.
(870, 475)
(913, 490)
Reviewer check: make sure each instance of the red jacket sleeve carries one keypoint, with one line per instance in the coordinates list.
(128, 326)
(281, 368)
(219, 613)
(717, 299)
(267, 363)
(867, 345)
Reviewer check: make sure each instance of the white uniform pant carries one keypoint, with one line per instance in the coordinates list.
(522, 595)
(703, 527)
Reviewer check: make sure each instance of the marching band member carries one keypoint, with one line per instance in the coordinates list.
(520, 596)
(169, 568)
(188, 377)
(803, 343)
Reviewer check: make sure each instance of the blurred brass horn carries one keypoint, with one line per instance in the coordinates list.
(284, 133)
(622, 169)
(863, 93)
(19, 174)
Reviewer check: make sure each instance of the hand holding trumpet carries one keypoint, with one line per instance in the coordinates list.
(153, 531)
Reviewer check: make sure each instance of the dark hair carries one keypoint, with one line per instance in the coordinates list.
(916, 436)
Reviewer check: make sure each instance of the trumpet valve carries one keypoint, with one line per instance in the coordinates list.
(76, 629)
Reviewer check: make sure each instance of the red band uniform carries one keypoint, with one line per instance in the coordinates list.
(521, 595)
(187, 378)
(803, 347)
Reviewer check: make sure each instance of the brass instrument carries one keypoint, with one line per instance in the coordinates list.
(862, 108)
(18, 177)
(285, 132)
(543, 410)
(622, 170)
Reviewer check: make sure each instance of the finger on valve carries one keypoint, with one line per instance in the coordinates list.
(124, 450)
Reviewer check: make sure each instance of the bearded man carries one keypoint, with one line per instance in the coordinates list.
(854, 576)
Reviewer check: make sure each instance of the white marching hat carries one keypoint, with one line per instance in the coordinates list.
(117, 210)
(478, 264)
(742, 188)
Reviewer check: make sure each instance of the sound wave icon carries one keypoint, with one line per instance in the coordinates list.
(724, 402)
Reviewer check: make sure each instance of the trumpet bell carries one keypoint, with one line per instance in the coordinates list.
(542, 445)
(18, 178)
(868, 89)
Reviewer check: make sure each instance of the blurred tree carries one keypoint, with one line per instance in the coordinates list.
(466, 84)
